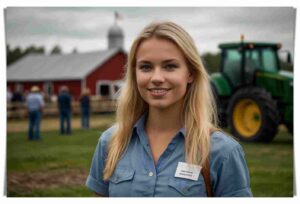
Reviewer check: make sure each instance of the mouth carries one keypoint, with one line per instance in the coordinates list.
(159, 91)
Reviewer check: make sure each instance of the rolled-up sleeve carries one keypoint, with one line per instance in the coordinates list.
(95, 180)
(233, 178)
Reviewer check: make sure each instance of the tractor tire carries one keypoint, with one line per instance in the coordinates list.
(222, 122)
(253, 115)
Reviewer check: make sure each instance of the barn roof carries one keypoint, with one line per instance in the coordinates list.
(37, 67)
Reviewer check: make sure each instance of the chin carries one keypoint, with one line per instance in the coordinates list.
(159, 105)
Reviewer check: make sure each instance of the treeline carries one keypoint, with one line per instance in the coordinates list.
(12, 55)
(211, 61)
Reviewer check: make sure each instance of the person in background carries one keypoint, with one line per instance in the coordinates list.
(17, 96)
(35, 104)
(85, 108)
(64, 105)
(9, 95)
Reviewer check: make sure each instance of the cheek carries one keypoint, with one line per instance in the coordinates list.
(181, 82)
(141, 81)
(182, 89)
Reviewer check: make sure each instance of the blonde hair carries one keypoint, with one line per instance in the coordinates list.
(199, 112)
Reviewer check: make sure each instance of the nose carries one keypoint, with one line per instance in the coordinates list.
(157, 76)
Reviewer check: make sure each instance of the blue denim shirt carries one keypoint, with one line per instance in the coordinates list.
(34, 101)
(136, 174)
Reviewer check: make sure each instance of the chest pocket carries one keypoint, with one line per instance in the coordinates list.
(188, 188)
(120, 183)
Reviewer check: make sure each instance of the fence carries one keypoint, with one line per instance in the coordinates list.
(19, 110)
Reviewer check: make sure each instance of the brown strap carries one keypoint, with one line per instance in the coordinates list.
(206, 175)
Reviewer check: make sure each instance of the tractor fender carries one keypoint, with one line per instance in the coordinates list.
(221, 84)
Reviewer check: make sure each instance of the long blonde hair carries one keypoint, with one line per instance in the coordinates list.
(199, 112)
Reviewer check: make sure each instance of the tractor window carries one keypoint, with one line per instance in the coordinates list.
(269, 60)
(232, 64)
(252, 59)
(261, 59)
(252, 63)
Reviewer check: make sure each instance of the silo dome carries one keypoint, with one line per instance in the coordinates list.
(115, 30)
(115, 37)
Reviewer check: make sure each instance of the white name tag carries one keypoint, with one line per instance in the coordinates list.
(188, 171)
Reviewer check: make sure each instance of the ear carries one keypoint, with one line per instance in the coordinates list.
(191, 78)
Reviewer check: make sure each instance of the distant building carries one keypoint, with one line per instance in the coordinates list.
(115, 37)
(100, 71)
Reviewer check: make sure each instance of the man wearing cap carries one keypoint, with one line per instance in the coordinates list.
(35, 104)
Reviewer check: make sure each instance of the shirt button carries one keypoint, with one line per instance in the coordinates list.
(151, 173)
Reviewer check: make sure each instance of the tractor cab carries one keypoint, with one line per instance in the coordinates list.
(241, 61)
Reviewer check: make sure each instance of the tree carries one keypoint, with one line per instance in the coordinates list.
(56, 50)
(33, 49)
(211, 62)
(12, 55)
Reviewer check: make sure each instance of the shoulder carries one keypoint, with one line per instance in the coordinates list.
(104, 139)
(106, 136)
(222, 145)
(222, 139)
(40, 96)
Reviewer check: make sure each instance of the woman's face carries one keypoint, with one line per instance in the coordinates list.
(162, 73)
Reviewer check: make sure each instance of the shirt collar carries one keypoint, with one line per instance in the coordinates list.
(139, 130)
(140, 124)
(183, 131)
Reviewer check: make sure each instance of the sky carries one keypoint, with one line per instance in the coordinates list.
(86, 28)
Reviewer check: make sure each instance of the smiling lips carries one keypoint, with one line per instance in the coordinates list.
(158, 92)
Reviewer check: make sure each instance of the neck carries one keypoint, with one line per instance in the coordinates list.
(161, 120)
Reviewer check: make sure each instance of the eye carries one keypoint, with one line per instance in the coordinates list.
(171, 66)
(144, 67)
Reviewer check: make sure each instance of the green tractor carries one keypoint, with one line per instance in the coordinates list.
(252, 94)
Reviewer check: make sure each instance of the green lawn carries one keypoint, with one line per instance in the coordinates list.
(56, 156)
(58, 165)
(271, 166)
(53, 152)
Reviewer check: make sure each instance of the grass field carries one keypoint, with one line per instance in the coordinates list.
(271, 166)
(58, 165)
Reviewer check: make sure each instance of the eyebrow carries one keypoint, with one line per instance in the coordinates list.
(149, 62)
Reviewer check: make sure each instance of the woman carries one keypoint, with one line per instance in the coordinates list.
(165, 131)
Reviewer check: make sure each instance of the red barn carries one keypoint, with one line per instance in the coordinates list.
(100, 71)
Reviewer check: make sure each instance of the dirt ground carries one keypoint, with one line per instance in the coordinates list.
(26, 182)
